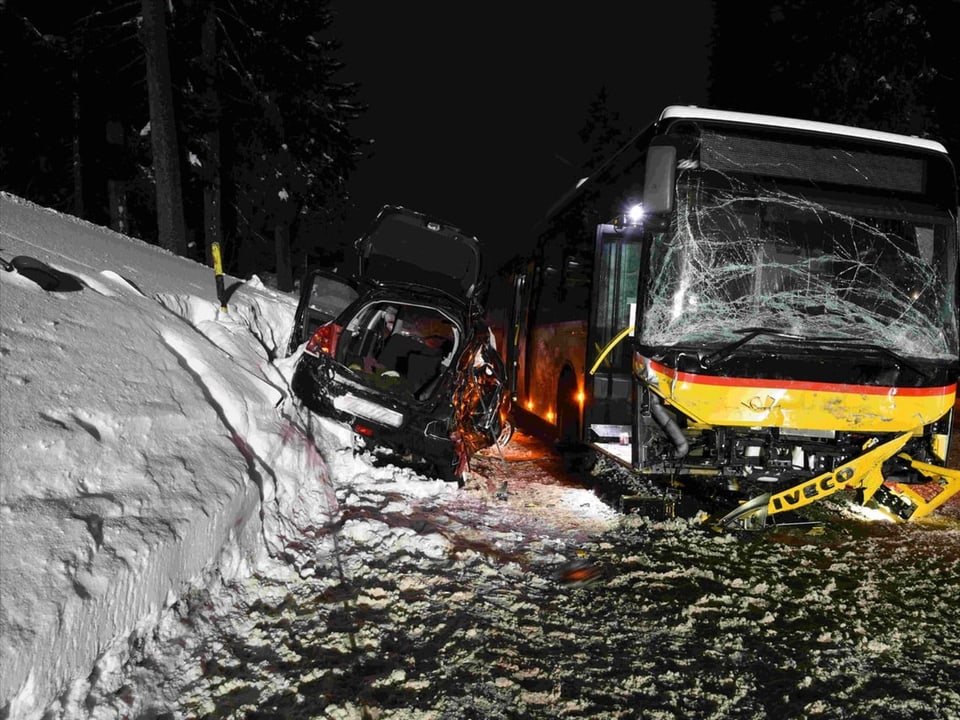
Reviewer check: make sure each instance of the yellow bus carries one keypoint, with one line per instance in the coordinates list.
(762, 302)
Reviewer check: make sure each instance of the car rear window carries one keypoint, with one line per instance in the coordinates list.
(412, 343)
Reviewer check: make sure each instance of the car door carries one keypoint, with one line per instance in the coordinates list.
(323, 296)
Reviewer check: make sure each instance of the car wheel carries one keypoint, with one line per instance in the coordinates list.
(448, 473)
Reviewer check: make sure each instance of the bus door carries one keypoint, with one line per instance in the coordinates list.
(613, 306)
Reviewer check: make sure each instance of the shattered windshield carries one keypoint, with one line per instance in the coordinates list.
(806, 246)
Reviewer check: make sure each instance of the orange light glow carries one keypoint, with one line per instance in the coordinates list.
(550, 416)
(581, 397)
(529, 404)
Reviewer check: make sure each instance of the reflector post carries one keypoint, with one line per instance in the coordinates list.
(218, 275)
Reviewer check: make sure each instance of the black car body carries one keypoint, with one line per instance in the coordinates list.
(402, 353)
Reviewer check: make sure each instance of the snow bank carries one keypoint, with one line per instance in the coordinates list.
(145, 448)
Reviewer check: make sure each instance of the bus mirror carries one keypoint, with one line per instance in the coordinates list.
(658, 181)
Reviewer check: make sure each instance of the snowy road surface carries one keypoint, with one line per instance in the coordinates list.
(456, 604)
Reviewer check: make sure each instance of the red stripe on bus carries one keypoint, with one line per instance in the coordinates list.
(800, 384)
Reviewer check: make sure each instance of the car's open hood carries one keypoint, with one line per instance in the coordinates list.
(409, 247)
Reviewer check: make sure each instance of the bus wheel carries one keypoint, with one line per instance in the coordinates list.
(568, 412)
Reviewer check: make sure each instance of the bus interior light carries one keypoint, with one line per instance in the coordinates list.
(635, 214)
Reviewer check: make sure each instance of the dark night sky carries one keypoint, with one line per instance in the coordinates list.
(475, 109)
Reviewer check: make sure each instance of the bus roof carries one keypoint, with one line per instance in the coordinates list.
(693, 112)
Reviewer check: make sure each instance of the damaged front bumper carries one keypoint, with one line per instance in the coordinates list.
(899, 501)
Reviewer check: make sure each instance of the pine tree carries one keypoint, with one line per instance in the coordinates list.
(603, 133)
(290, 148)
(262, 127)
(163, 129)
(888, 65)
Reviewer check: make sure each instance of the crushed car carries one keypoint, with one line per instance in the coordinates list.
(401, 351)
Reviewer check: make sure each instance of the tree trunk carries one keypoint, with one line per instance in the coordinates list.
(163, 130)
(78, 205)
(281, 242)
(212, 200)
(212, 224)
(116, 176)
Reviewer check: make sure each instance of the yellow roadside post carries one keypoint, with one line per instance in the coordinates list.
(218, 273)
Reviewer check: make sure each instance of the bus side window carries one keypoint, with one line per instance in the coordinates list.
(549, 290)
(548, 281)
(575, 280)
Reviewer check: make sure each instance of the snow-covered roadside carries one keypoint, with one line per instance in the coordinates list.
(150, 448)
(142, 448)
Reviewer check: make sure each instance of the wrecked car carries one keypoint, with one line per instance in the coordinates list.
(402, 353)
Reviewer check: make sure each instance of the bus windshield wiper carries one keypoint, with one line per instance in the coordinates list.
(896, 357)
(749, 334)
